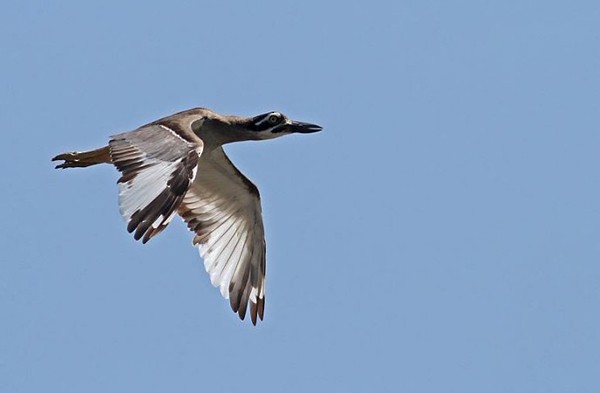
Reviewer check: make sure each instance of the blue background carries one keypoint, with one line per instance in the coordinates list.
(442, 234)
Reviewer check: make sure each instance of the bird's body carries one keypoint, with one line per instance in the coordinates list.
(177, 166)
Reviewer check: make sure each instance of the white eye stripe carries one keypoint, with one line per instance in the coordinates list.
(267, 118)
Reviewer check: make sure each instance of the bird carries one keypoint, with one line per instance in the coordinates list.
(177, 166)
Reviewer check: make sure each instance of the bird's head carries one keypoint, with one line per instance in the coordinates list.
(218, 129)
(275, 124)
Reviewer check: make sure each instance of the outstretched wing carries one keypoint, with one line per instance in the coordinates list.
(158, 165)
(223, 208)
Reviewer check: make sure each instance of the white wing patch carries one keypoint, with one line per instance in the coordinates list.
(136, 194)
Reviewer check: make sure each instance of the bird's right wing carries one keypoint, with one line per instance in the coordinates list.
(223, 208)
(158, 165)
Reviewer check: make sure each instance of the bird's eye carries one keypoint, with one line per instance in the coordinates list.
(273, 119)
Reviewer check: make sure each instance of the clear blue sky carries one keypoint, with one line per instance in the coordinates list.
(442, 234)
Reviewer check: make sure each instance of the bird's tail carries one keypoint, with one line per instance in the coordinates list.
(82, 159)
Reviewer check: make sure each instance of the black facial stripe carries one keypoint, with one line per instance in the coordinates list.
(279, 128)
(265, 124)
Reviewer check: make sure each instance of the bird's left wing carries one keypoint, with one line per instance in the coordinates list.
(158, 164)
(223, 208)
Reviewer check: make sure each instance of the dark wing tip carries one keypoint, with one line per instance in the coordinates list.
(253, 313)
(261, 308)
(257, 309)
(242, 313)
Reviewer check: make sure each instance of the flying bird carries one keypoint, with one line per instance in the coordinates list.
(176, 166)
